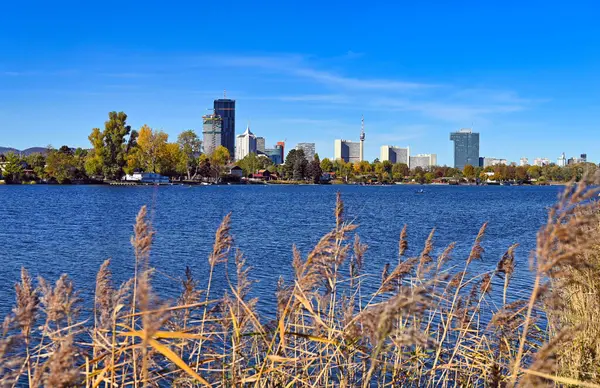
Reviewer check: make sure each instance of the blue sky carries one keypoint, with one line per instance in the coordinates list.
(525, 74)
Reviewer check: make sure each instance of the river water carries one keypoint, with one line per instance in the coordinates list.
(52, 230)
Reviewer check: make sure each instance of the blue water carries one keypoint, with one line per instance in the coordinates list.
(52, 230)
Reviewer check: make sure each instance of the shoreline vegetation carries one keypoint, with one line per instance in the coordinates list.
(118, 150)
(422, 321)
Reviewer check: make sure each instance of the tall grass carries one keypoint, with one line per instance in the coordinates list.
(420, 322)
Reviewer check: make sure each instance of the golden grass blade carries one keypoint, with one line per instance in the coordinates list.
(168, 353)
(281, 359)
(255, 320)
(165, 334)
(562, 380)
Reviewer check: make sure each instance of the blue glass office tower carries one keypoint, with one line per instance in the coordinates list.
(225, 108)
(466, 148)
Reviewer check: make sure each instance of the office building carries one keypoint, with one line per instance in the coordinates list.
(225, 108)
(466, 148)
(541, 162)
(348, 151)
(309, 150)
(424, 161)
(260, 144)
(395, 154)
(275, 154)
(488, 162)
(211, 132)
(282, 144)
(562, 160)
(582, 158)
(571, 161)
(245, 144)
(351, 151)
(524, 162)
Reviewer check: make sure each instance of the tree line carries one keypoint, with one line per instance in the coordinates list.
(118, 150)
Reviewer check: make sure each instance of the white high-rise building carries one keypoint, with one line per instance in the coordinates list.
(541, 162)
(395, 154)
(348, 151)
(562, 160)
(245, 144)
(523, 162)
(351, 151)
(423, 160)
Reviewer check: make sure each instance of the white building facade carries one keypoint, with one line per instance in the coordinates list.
(488, 162)
(348, 151)
(541, 162)
(424, 161)
(395, 154)
(245, 144)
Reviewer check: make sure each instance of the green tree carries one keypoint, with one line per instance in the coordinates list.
(37, 162)
(300, 165)
(114, 150)
(400, 170)
(534, 172)
(387, 166)
(429, 177)
(379, 171)
(190, 146)
(94, 160)
(60, 165)
(365, 168)
(326, 165)
(288, 165)
(250, 164)
(314, 170)
(13, 169)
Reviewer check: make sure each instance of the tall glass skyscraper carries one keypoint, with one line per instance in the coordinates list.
(466, 148)
(225, 108)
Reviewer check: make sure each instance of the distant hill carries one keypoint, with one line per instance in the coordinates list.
(28, 151)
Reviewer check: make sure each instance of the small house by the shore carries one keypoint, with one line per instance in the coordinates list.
(146, 177)
(236, 172)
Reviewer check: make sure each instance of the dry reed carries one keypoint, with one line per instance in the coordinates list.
(426, 323)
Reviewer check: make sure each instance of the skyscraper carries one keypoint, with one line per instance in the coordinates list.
(348, 151)
(309, 150)
(211, 132)
(245, 144)
(225, 108)
(466, 148)
(395, 154)
(260, 144)
(562, 160)
(351, 151)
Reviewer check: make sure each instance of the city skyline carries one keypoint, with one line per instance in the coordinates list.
(530, 90)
